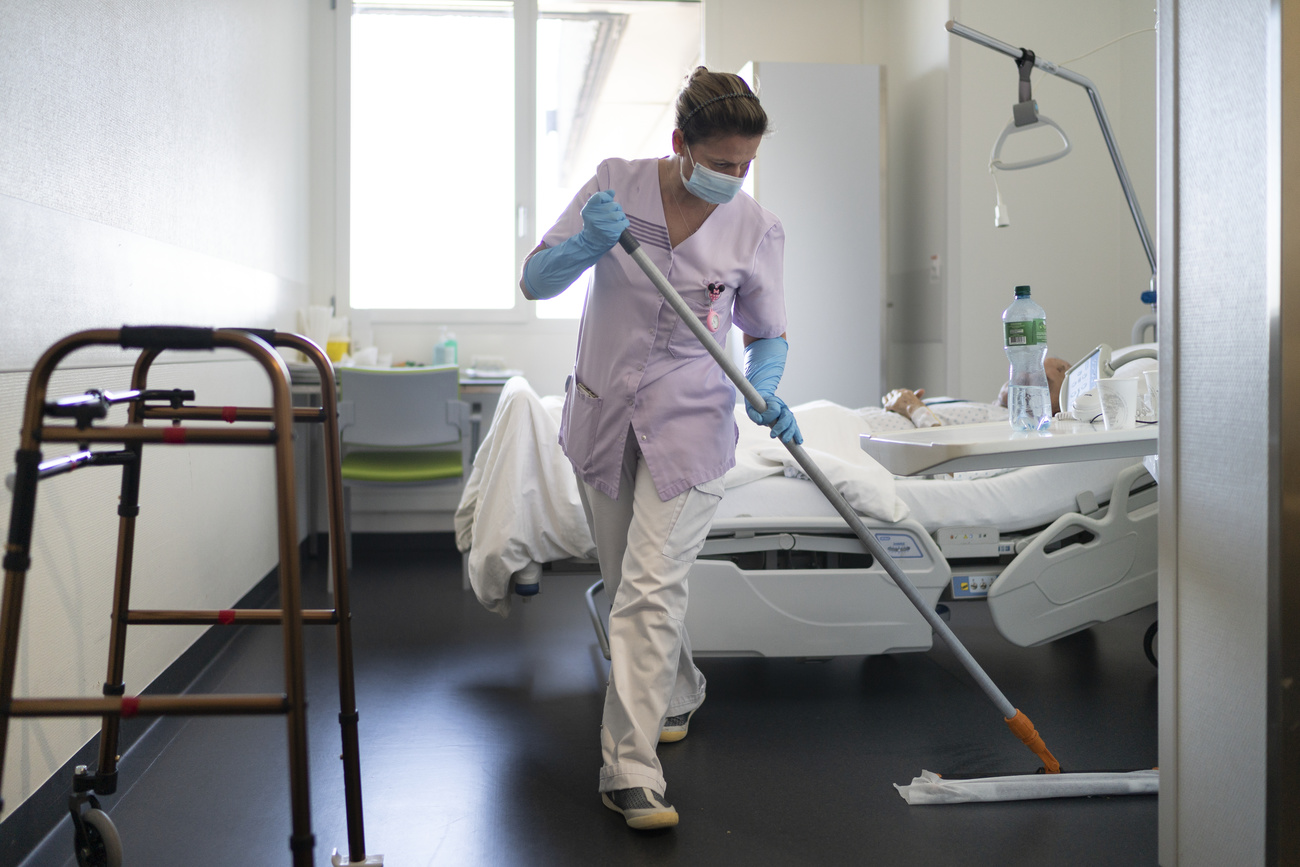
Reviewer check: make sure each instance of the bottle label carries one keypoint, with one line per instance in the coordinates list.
(1030, 332)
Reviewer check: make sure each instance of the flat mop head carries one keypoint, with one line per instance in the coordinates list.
(931, 788)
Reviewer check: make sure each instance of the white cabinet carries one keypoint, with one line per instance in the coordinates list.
(821, 171)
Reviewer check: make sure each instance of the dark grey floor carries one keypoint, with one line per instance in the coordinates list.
(479, 741)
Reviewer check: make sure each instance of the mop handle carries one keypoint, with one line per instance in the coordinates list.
(814, 472)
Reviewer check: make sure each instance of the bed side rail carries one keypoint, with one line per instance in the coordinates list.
(1082, 570)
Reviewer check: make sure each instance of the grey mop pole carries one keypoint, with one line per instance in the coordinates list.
(1018, 722)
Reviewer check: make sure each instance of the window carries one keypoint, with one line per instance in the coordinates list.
(446, 200)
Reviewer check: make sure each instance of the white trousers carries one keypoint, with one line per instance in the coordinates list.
(646, 547)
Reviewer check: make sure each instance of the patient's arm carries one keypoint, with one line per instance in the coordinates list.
(908, 403)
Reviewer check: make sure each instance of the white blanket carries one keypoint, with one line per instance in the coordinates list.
(521, 508)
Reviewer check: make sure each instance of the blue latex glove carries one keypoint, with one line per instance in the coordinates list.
(764, 364)
(550, 271)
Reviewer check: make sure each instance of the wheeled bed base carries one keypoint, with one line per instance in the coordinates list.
(96, 839)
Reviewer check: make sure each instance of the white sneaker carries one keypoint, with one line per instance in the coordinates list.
(675, 727)
(643, 809)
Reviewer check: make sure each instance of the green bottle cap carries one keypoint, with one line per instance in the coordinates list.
(1022, 291)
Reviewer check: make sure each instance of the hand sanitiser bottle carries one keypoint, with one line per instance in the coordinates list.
(1024, 325)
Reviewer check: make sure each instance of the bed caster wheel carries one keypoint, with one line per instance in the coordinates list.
(97, 842)
(1149, 643)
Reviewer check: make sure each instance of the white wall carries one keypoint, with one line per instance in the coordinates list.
(1070, 237)
(154, 169)
(830, 113)
(908, 39)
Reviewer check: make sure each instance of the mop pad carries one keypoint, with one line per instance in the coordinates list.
(930, 788)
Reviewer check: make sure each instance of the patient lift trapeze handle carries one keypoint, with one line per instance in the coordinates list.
(1021, 54)
(1018, 722)
(1025, 117)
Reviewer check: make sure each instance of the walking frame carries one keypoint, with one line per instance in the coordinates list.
(96, 839)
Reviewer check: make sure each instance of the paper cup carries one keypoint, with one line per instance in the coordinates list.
(1152, 378)
(1119, 402)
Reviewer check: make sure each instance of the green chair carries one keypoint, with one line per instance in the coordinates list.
(401, 427)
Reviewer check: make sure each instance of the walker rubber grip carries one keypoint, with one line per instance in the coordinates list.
(629, 242)
(1022, 728)
(165, 337)
(267, 334)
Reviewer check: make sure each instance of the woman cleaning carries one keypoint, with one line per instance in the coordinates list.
(648, 422)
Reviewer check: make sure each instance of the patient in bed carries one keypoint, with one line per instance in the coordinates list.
(910, 405)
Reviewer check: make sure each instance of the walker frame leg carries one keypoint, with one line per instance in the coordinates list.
(327, 417)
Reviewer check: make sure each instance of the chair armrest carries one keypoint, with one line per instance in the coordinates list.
(347, 414)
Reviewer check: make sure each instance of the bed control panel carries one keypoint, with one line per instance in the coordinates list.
(900, 546)
(961, 542)
(972, 586)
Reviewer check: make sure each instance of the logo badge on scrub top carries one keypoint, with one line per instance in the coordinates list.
(713, 319)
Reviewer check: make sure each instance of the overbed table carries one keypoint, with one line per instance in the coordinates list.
(994, 445)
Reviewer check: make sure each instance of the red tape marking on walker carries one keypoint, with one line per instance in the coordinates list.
(226, 616)
(130, 706)
(174, 435)
(229, 413)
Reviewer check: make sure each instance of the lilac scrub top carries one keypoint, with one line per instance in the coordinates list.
(637, 363)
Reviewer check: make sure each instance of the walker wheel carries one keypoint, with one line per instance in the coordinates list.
(1149, 643)
(103, 846)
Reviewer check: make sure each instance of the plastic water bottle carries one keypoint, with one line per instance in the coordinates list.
(1024, 326)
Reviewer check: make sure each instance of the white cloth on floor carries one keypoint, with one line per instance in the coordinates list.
(930, 788)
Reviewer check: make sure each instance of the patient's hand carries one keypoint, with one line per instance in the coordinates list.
(908, 403)
(903, 400)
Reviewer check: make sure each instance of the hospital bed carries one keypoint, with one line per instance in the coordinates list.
(1055, 549)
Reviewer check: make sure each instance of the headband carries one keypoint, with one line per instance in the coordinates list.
(715, 99)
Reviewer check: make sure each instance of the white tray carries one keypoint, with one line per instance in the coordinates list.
(994, 445)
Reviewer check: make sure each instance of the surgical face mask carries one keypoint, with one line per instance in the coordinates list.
(711, 186)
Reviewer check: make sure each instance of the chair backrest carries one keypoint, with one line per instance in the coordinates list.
(401, 407)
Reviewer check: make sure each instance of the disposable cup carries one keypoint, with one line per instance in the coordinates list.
(1119, 402)
(1152, 378)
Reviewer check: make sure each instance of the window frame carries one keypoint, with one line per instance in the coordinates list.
(524, 15)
